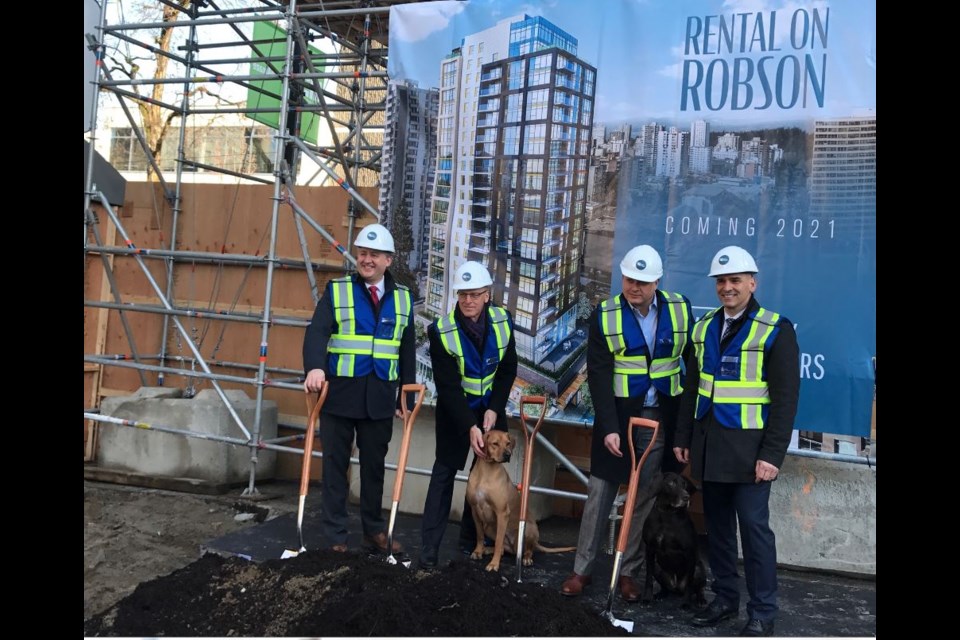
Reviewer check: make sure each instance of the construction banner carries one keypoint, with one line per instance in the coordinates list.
(546, 139)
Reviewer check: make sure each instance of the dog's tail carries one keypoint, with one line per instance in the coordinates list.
(544, 549)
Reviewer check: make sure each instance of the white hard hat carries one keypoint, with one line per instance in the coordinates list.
(732, 260)
(642, 263)
(471, 275)
(376, 237)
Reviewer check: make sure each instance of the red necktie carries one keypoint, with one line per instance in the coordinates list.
(376, 298)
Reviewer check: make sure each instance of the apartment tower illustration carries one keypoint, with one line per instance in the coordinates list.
(409, 146)
(843, 175)
(514, 137)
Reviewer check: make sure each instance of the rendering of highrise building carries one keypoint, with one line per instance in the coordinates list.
(753, 158)
(599, 134)
(700, 151)
(699, 133)
(647, 145)
(617, 144)
(516, 119)
(672, 152)
(409, 150)
(727, 147)
(843, 176)
(700, 159)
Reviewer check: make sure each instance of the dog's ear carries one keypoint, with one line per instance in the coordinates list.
(512, 439)
(691, 488)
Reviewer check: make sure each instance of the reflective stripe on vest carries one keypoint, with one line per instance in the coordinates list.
(669, 367)
(348, 345)
(450, 338)
(625, 366)
(746, 394)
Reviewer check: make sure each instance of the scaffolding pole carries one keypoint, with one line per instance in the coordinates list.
(280, 153)
(211, 314)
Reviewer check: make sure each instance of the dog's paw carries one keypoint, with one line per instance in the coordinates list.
(647, 596)
(493, 567)
(527, 562)
(477, 554)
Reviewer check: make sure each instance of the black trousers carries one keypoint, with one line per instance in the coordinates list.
(725, 504)
(436, 508)
(373, 440)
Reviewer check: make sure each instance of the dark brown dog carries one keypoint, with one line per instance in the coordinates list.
(495, 503)
(673, 557)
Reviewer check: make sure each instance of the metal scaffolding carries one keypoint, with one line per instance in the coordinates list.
(350, 107)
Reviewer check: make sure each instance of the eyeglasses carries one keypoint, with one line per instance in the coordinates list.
(472, 295)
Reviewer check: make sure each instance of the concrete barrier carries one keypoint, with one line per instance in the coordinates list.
(824, 514)
(155, 453)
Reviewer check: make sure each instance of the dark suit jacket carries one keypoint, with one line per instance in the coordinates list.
(719, 454)
(612, 414)
(363, 398)
(454, 415)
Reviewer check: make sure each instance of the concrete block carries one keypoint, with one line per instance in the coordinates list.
(171, 455)
(824, 514)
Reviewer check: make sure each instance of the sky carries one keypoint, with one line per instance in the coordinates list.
(638, 47)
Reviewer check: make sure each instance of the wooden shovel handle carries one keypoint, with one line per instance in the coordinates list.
(313, 413)
(530, 438)
(409, 417)
(635, 475)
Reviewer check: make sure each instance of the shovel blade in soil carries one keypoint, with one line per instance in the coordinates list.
(626, 625)
(402, 559)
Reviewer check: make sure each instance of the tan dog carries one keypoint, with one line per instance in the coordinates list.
(495, 503)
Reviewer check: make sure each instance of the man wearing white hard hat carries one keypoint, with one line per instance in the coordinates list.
(474, 359)
(637, 342)
(361, 341)
(742, 388)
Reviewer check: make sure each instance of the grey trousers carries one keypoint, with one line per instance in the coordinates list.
(596, 515)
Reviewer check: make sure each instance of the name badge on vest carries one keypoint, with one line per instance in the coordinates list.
(491, 361)
(386, 328)
(730, 366)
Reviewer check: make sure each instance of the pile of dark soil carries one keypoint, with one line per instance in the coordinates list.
(322, 593)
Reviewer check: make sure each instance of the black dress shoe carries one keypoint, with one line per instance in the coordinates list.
(757, 628)
(428, 557)
(716, 611)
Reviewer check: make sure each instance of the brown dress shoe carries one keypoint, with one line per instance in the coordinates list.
(573, 586)
(379, 541)
(339, 548)
(629, 589)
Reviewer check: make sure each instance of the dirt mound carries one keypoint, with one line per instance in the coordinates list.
(322, 593)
